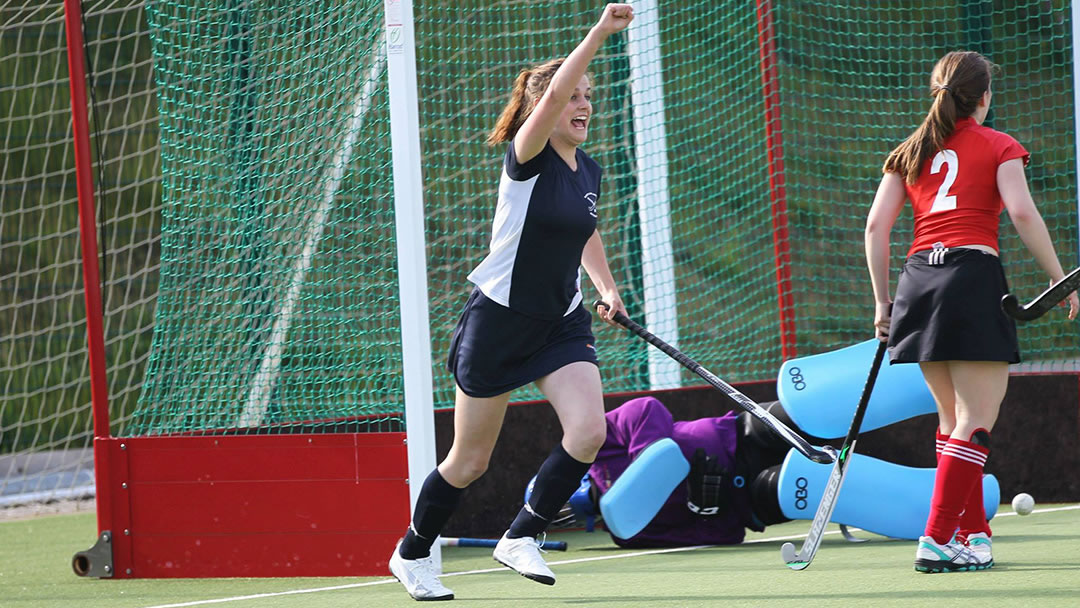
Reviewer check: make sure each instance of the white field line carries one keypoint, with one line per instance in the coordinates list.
(581, 560)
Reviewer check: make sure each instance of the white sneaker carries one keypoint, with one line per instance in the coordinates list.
(953, 556)
(981, 544)
(419, 578)
(523, 556)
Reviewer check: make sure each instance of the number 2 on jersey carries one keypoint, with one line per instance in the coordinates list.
(945, 201)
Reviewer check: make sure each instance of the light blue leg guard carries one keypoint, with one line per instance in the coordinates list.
(877, 496)
(820, 392)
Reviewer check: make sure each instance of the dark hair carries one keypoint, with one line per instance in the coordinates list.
(957, 83)
(529, 87)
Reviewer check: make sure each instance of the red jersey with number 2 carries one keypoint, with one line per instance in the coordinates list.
(956, 199)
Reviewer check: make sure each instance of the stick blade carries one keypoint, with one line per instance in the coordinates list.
(1046, 301)
(1012, 307)
(827, 456)
(791, 557)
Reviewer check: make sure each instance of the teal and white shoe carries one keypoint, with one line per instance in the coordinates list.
(981, 544)
(954, 556)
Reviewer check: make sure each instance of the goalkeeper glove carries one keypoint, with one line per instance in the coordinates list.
(707, 485)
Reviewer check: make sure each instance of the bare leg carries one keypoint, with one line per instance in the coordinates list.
(980, 387)
(576, 394)
(477, 422)
(968, 393)
(940, 383)
(977, 390)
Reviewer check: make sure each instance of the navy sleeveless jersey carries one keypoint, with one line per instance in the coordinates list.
(545, 214)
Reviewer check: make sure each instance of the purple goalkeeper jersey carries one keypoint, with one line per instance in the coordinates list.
(635, 425)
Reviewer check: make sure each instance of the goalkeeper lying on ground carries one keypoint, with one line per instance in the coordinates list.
(743, 476)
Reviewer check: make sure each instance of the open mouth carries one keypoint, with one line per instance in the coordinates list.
(580, 121)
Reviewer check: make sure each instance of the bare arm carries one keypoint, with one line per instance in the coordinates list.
(1029, 224)
(594, 260)
(888, 202)
(537, 128)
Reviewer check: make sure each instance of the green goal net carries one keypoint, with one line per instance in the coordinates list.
(855, 82)
(277, 302)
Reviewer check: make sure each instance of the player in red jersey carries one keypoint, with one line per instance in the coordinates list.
(959, 176)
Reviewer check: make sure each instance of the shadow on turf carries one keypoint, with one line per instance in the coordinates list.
(866, 596)
(753, 546)
(1004, 567)
(1021, 538)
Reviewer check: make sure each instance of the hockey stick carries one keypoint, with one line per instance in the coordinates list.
(825, 456)
(800, 560)
(1046, 300)
(552, 545)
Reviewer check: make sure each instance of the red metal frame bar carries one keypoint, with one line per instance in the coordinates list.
(95, 332)
(331, 504)
(770, 81)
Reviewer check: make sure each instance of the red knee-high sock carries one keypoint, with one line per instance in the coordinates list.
(973, 519)
(959, 469)
(942, 439)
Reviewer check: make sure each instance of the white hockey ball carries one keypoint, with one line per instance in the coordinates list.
(1023, 503)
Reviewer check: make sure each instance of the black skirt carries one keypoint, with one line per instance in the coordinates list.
(951, 310)
(495, 350)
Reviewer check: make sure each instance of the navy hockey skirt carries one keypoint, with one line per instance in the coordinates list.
(495, 350)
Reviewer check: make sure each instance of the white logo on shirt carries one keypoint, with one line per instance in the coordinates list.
(591, 198)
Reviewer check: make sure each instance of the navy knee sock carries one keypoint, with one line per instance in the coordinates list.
(559, 476)
(436, 503)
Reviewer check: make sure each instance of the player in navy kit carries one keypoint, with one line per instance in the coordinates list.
(525, 321)
(959, 176)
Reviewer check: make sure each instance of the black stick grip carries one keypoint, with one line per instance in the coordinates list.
(864, 400)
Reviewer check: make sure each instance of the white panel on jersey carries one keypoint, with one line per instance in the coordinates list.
(493, 274)
(577, 296)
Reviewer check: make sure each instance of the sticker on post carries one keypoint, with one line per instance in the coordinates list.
(395, 39)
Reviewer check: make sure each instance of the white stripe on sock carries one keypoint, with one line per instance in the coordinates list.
(980, 462)
(969, 451)
(529, 508)
(418, 535)
(971, 460)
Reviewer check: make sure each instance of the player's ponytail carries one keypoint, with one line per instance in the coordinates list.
(529, 87)
(957, 84)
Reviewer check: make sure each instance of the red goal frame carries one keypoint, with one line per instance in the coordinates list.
(224, 505)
